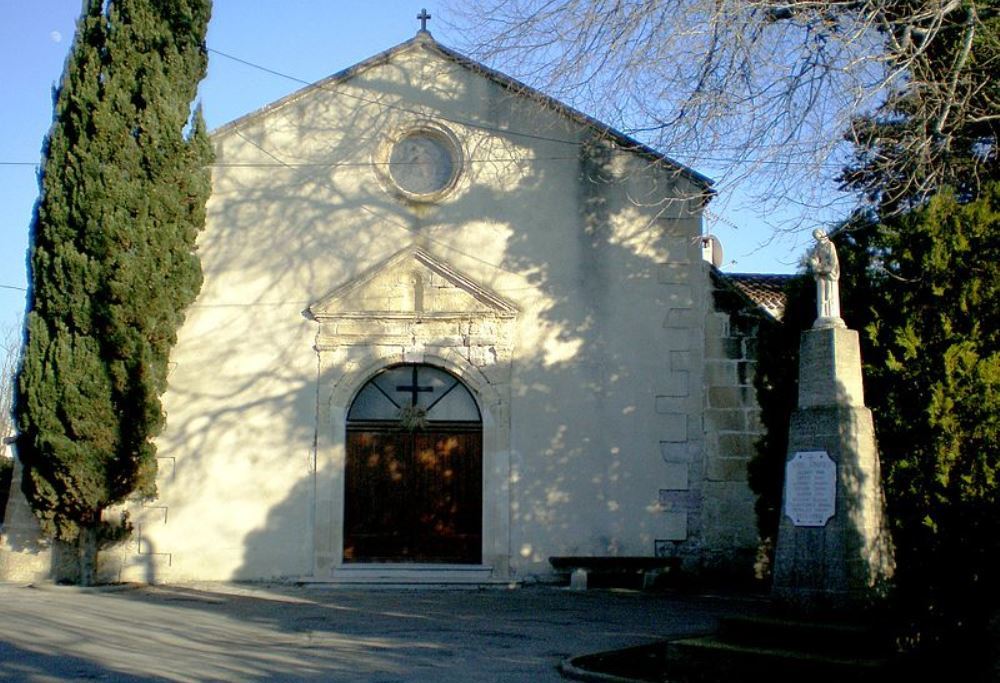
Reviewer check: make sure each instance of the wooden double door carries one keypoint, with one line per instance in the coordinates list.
(414, 496)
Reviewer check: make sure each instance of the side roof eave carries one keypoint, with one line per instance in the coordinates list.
(729, 282)
(424, 40)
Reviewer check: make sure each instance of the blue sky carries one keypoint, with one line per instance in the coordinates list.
(306, 39)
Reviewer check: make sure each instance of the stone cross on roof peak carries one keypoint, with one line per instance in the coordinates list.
(423, 17)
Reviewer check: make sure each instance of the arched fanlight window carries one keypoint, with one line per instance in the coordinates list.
(410, 392)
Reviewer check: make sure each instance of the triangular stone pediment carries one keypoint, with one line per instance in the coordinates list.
(412, 283)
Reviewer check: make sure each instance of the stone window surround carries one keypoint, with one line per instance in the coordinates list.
(382, 154)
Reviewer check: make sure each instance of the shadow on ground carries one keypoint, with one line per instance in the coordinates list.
(22, 664)
(289, 633)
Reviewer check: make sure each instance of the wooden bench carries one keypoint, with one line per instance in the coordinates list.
(579, 568)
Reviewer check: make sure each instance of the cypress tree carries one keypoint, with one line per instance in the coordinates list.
(111, 264)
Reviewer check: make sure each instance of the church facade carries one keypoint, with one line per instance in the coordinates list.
(449, 328)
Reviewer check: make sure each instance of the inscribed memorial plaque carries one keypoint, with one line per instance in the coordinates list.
(810, 488)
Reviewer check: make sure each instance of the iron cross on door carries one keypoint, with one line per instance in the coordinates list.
(414, 388)
(413, 490)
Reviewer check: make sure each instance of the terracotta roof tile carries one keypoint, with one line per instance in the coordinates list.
(765, 290)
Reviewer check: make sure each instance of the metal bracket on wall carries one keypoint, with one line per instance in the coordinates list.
(149, 553)
(157, 507)
(173, 463)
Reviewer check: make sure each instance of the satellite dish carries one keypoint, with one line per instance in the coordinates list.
(711, 250)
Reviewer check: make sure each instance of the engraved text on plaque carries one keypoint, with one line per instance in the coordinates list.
(810, 488)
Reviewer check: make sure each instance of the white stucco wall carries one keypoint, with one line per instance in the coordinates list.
(592, 393)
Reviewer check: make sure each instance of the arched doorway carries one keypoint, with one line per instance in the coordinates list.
(414, 470)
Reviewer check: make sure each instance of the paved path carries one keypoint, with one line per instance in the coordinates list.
(233, 633)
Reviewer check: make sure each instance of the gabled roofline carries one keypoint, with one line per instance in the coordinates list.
(424, 39)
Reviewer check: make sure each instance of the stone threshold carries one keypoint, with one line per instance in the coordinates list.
(378, 574)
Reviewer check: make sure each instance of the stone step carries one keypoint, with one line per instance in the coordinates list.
(374, 574)
(815, 636)
(712, 659)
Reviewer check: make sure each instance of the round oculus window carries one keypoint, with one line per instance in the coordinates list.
(422, 163)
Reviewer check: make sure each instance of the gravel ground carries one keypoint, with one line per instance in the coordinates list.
(232, 632)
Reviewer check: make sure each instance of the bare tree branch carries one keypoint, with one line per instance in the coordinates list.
(10, 354)
(751, 88)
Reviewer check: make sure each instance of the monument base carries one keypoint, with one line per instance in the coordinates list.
(844, 561)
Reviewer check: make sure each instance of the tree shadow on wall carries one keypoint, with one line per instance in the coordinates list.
(315, 214)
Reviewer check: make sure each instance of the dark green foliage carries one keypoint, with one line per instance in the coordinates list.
(925, 269)
(934, 354)
(112, 263)
(924, 288)
(920, 277)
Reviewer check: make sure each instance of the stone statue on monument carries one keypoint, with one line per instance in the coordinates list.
(826, 269)
(833, 550)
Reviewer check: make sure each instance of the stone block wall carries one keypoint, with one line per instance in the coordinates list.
(678, 405)
(731, 426)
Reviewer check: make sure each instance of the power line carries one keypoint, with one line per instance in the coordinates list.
(386, 105)
(464, 122)
(507, 131)
(336, 164)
